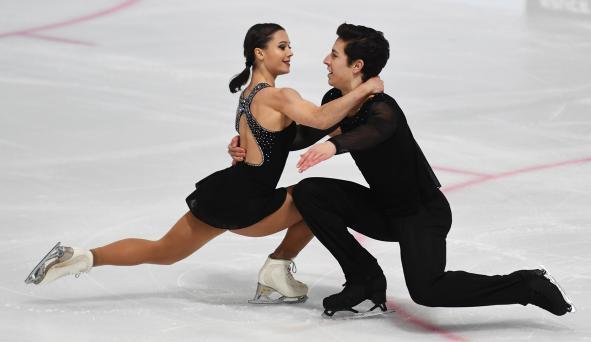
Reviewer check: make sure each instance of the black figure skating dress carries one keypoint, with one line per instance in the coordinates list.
(244, 194)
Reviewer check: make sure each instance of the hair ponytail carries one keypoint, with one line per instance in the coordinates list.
(239, 80)
(256, 37)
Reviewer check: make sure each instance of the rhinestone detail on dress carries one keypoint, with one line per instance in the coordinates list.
(263, 137)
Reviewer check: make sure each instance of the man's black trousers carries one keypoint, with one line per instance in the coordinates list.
(329, 206)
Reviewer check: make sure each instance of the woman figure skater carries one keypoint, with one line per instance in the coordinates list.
(265, 121)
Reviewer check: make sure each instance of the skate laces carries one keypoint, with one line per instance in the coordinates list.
(292, 267)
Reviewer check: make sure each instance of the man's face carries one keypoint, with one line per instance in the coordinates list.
(340, 73)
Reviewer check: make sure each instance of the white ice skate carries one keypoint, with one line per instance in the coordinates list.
(59, 262)
(276, 280)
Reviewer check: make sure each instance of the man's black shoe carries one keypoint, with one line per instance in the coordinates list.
(545, 292)
(373, 288)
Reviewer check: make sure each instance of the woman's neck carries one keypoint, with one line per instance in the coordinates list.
(262, 76)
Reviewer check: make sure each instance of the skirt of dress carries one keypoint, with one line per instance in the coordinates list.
(229, 199)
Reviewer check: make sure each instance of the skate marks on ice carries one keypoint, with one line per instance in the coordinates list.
(230, 287)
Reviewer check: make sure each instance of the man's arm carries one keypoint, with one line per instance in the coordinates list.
(384, 118)
(308, 136)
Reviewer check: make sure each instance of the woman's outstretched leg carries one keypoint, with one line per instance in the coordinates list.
(183, 239)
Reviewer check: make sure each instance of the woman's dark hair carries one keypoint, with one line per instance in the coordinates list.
(366, 44)
(257, 37)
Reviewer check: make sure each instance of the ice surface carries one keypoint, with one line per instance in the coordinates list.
(111, 110)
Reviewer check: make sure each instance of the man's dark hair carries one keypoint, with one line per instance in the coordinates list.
(366, 44)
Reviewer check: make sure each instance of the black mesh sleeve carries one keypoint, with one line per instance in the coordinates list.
(307, 136)
(383, 119)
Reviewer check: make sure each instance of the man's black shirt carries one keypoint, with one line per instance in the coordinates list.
(380, 141)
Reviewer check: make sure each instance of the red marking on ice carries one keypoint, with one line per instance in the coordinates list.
(30, 32)
(488, 178)
(482, 177)
(423, 324)
(464, 172)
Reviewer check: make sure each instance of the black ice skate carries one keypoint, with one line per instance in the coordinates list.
(546, 293)
(353, 294)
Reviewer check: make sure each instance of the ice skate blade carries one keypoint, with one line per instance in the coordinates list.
(263, 296)
(280, 300)
(350, 313)
(33, 277)
(346, 315)
(555, 282)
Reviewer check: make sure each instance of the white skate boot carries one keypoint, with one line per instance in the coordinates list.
(275, 277)
(59, 262)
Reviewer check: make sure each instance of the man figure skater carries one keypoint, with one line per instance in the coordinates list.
(403, 202)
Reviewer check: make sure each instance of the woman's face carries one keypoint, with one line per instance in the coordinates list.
(277, 55)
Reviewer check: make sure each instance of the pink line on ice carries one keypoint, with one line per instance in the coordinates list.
(464, 172)
(423, 324)
(30, 31)
(488, 178)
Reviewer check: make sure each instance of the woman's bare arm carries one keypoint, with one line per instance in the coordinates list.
(290, 103)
